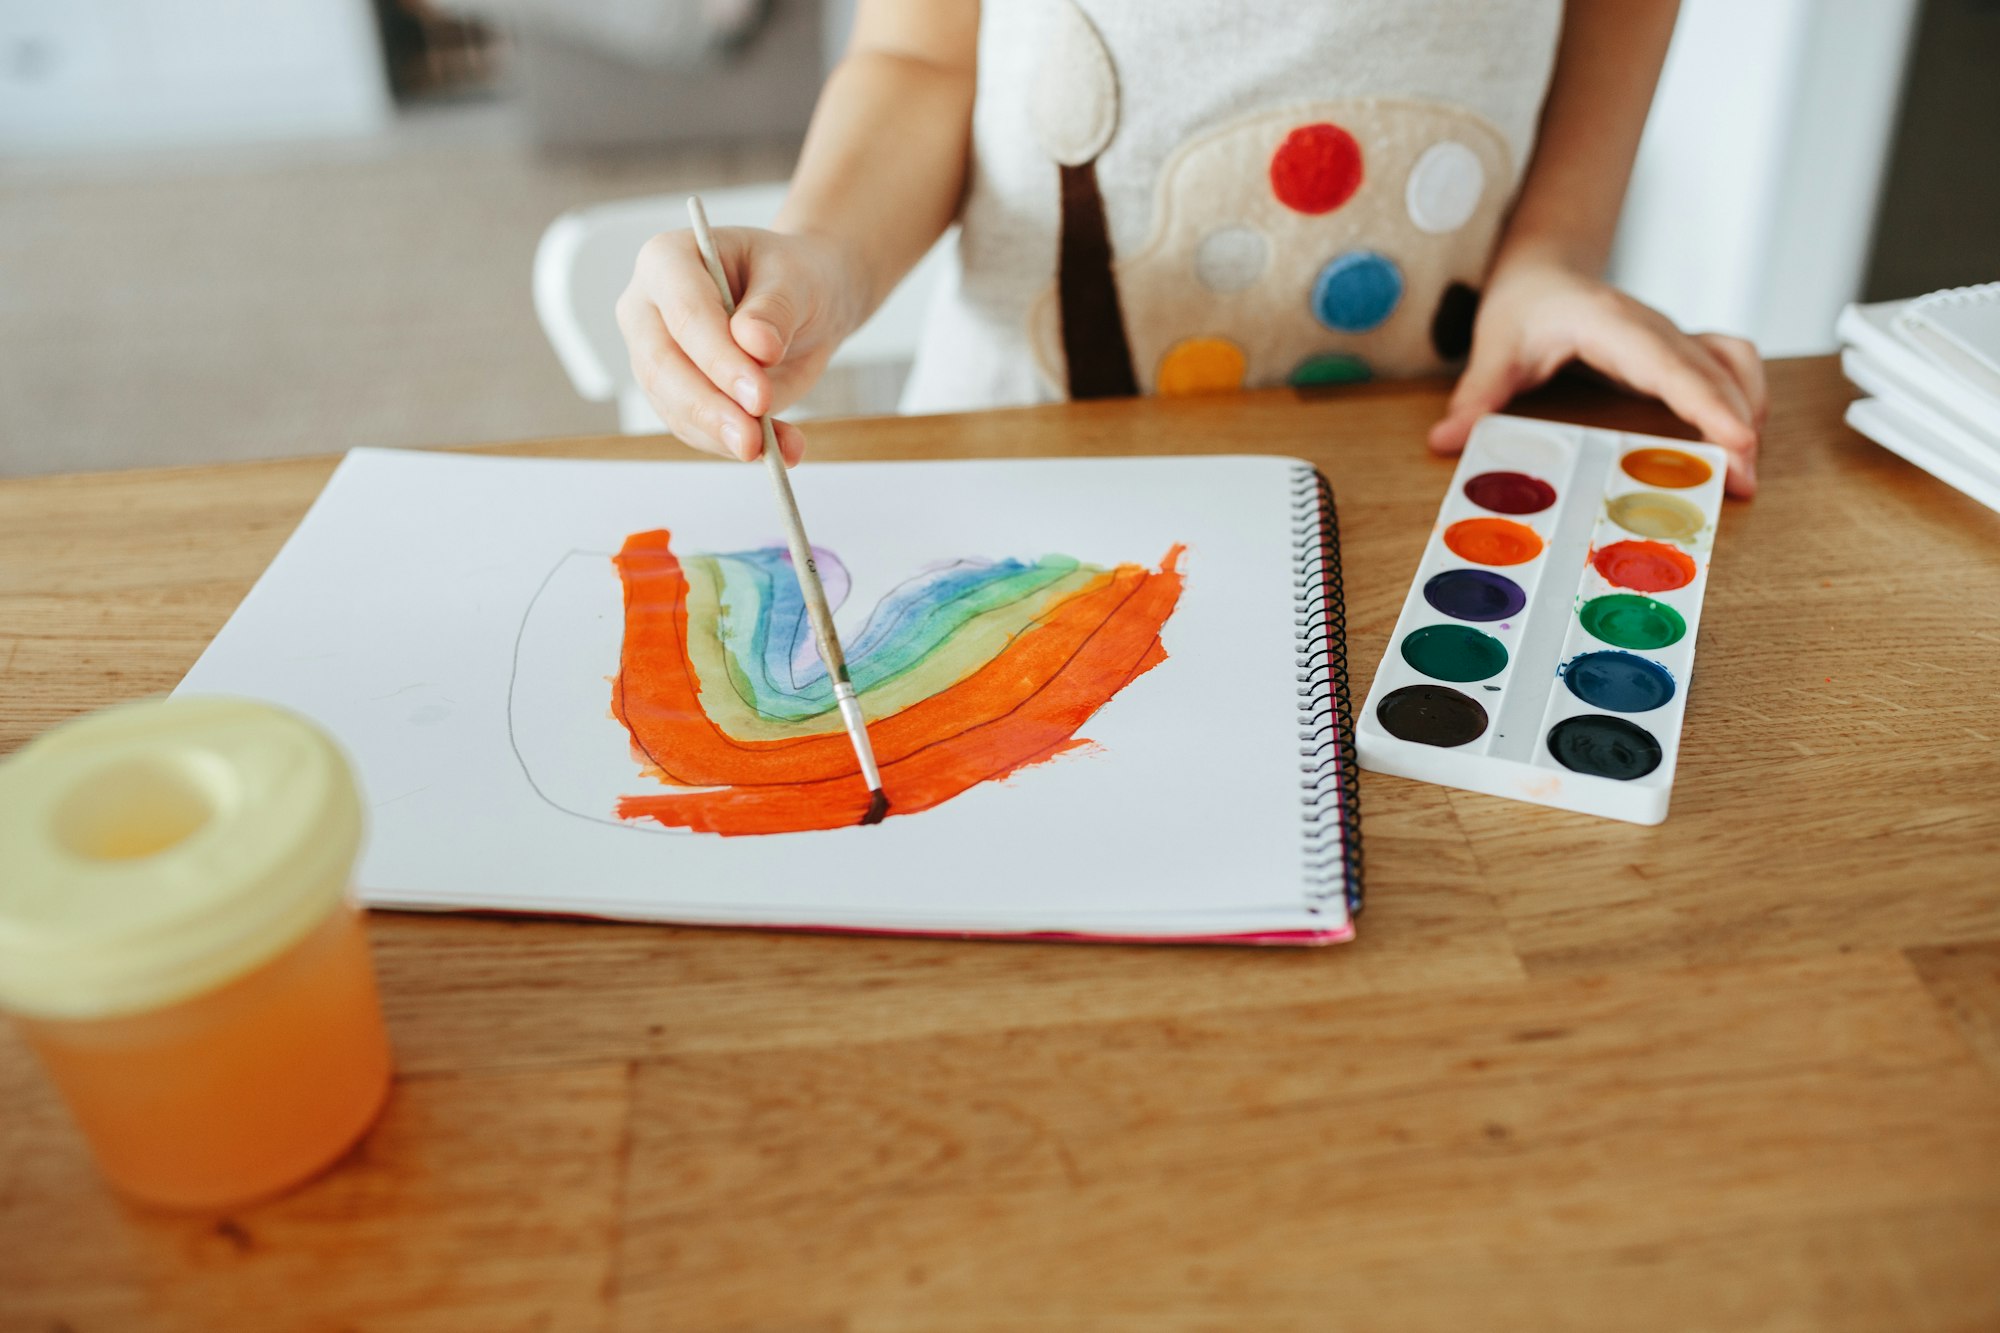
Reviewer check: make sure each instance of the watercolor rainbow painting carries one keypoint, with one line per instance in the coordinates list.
(968, 673)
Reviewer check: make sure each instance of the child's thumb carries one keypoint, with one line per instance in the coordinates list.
(1492, 377)
(765, 324)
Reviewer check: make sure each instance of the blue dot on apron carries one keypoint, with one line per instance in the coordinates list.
(1356, 291)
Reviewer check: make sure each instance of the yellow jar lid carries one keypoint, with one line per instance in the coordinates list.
(157, 850)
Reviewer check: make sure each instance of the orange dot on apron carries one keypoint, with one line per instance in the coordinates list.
(1201, 365)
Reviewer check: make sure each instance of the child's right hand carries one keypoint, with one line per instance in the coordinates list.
(710, 376)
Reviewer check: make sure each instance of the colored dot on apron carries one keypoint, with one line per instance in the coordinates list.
(1201, 365)
(1316, 169)
(1329, 368)
(1231, 259)
(1444, 188)
(1451, 326)
(1356, 291)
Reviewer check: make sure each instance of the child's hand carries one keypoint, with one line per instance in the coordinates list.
(710, 376)
(1537, 316)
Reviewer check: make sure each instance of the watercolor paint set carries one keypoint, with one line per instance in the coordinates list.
(1545, 649)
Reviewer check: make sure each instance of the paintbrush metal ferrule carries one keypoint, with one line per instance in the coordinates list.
(857, 726)
(818, 613)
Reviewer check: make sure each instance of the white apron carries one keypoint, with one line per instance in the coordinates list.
(1178, 196)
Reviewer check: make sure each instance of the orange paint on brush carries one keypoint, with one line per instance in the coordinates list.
(1493, 541)
(1644, 566)
(1020, 708)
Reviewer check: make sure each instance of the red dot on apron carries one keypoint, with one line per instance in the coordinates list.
(1316, 169)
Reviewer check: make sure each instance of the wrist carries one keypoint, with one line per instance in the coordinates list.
(852, 282)
(1538, 264)
(1539, 240)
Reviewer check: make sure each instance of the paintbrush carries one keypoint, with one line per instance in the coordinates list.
(817, 611)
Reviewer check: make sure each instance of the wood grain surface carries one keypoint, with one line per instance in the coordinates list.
(1740, 1071)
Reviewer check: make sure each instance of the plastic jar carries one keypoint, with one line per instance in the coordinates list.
(179, 946)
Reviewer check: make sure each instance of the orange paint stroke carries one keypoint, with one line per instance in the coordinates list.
(1020, 708)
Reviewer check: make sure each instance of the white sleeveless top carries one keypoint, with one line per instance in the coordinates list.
(1183, 195)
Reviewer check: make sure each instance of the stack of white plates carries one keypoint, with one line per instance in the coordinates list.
(1932, 366)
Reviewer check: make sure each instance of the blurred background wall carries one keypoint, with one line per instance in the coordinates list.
(245, 228)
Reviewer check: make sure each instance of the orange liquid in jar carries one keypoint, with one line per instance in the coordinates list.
(236, 1093)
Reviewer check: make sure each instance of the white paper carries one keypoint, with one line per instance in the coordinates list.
(398, 617)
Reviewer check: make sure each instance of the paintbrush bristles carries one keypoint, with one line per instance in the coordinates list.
(825, 637)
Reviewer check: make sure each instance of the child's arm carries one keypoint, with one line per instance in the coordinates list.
(877, 183)
(1545, 303)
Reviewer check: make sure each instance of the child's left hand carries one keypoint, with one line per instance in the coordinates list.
(1537, 316)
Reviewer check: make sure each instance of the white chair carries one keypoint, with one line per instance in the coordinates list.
(585, 259)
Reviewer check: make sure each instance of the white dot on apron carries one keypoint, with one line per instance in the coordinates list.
(1231, 259)
(1444, 187)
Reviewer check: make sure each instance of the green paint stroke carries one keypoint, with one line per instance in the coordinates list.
(760, 676)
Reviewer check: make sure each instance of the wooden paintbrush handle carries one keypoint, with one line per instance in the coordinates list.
(807, 569)
(803, 564)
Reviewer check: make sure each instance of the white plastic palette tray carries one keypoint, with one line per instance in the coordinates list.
(1545, 648)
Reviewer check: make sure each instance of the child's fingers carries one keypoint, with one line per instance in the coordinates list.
(1741, 480)
(1739, 356)
(1722, 375)
(1692, 382)
(691, 406)
(791, 442)
(766, 322)
(1492, 378)
(1679, 372)
(1699, 376)
(1740, 438)
(671, 275)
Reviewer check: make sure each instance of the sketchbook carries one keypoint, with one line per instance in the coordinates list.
(1108, 695)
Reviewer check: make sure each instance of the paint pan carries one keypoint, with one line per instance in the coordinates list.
(1545, 648)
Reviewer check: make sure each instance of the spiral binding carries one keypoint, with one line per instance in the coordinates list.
(1331, 792)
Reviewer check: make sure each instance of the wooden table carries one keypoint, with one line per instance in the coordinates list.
(1741, 1071)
